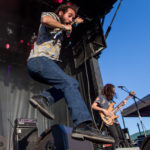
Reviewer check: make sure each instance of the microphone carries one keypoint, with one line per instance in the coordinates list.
(121, 86)
(68, 34)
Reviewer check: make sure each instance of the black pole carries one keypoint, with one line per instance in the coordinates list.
(109, 28)
(137, 109)
(139, 115)
(123, 120)
(139, 128)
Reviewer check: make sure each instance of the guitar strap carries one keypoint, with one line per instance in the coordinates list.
(101, 127)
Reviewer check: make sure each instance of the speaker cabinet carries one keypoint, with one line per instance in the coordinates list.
(25, 134)
(2, 143)
(59, 138)
(146, 143)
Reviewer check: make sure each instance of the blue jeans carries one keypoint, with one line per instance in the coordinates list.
(45, 70)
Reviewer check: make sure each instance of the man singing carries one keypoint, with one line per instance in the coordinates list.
(42, 67)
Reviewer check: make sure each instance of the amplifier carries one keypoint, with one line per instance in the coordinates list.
(25, 135)
(2, 143)
(146, 143)
(20, 122)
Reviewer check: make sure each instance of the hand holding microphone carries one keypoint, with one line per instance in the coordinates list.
(68, 29)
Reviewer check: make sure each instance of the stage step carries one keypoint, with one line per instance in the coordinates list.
(131, 148)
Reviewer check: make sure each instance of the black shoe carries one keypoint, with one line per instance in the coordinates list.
(41, 103)
(90, 133)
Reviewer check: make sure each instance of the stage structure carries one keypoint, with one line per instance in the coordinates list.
(143, 105)
(19, 25)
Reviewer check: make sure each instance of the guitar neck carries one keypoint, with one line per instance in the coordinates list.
(118, 107)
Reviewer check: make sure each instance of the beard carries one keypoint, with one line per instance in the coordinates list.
(63, 21)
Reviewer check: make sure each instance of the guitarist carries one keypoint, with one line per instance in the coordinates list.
(102, 103)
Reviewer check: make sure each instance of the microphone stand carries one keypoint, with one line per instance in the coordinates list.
(137, 109)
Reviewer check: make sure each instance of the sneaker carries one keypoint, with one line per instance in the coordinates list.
(90, 133)
(42, 104)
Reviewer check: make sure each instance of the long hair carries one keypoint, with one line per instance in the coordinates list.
(108, 91)
(64, 8)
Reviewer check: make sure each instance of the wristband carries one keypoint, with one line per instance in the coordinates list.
(63, 27)
(75, 23)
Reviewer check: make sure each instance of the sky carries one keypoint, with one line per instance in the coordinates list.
(126, 60)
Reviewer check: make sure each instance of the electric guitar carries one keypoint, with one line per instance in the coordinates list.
(109, 120)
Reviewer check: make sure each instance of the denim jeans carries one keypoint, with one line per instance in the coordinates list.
(45, 70)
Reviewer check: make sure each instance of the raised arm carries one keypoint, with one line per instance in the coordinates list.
(52, 23)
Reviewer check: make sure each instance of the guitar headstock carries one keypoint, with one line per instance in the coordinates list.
(132, 93)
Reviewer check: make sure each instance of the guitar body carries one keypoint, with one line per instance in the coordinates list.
(109, 120)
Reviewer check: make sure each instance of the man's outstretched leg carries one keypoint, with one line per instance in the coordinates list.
(87, 130)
